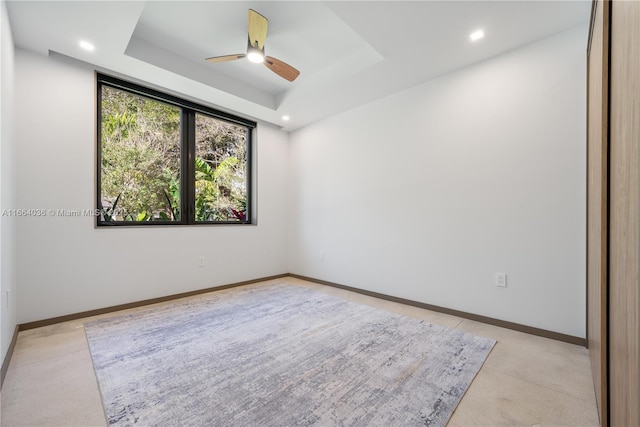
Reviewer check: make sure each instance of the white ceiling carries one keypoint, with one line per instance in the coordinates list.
(349, 52)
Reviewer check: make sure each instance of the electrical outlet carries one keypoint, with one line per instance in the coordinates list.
(201, 262)
(322, 256)
(501, 280)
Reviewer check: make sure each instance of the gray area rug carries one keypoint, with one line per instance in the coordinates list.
(279, 355)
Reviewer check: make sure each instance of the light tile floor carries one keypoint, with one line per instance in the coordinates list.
(525, 381)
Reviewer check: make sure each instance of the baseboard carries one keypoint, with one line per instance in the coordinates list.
(8, 356)
(136, 304)
(484, 319)
(478, 318)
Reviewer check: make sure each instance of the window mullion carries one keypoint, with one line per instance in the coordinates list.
(188, 165)
(249, 176)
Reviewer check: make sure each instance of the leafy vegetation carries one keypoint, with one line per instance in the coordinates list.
(220, 170)
(141, 164)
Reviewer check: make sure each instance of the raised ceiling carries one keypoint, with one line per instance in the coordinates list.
(349, 53)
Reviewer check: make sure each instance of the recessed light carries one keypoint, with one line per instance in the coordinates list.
(286, 118)
(476, 35)
(86, 45)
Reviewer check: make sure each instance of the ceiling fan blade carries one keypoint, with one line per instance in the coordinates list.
(282, 69)
(258, 26)
(225, 58)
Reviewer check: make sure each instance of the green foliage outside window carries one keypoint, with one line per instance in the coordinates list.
(220, 165)
(140, 156)
(140, 163)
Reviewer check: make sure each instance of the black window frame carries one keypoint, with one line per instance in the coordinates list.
(188, 113)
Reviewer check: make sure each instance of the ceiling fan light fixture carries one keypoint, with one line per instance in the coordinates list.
(255, 55)
(256, 35)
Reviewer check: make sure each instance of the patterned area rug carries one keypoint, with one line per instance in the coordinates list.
(279, 355)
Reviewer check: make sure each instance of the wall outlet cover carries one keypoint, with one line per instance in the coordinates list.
(501, 280)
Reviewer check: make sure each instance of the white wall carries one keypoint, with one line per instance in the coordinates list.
(64, 264)
(8, 317)
(428, 193)
(422, 195)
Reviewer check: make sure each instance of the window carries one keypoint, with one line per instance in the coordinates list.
(165, 160)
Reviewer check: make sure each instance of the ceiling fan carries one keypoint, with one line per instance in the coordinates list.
(257, 33)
